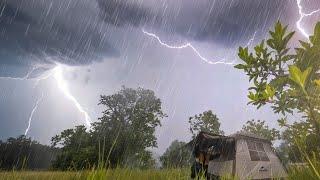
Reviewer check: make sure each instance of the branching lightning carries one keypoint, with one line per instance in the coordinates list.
(27, 76)
(57, 74)
(35, 107)
(63, 85)
(189, 45)
(303, 15)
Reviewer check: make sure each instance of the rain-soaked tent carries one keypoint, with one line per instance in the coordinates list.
(242, 155)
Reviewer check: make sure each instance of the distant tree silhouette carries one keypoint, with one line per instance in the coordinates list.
(24, 153)
(177, 155)
(261, 128)
(206, 121)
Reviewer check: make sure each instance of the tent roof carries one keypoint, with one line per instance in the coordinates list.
(244, 134)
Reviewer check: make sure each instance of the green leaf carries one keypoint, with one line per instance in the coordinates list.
(317, 81)
(299, 77)
(287, 38)
(240, 66)
(315, 39)
(270, 91)
(282, 122)
(252, 96)
(305, 75)
(304, 44)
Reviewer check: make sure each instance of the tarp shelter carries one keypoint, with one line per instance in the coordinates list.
(242, 155)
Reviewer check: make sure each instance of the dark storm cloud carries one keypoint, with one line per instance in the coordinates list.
(241, 19)
(37, 33)
(75, 32)
(121, 12)
(228, 21)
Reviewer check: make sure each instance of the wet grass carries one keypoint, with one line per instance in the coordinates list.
(103, 174)
(295, 173)
(304, 173)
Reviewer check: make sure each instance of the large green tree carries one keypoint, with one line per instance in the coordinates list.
(177, 155)
(121, 137)
(206, 121)
(261, 128)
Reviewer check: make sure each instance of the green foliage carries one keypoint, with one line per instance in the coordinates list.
(77, 152)
(24, 153)
(289, 81)
(177, 155)
(293, 80)
(299, 77)
(206, 121)
(119, 138)
(99, 174)
(260, 128)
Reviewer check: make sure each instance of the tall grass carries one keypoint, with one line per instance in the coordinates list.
(99, 174)
(310, 170)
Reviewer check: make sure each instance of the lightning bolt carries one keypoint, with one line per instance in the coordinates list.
(57, 74)
(189, 45)
(35, 107)
(63, 85)
(28, 74)
(303, 15)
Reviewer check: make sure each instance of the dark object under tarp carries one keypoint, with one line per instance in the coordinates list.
(223, 145)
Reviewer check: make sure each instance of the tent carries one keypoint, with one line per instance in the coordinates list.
(242, 155)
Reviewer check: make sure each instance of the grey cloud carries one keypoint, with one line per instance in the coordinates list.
(43, 32)
(75, 32)
(227, 22)
(122, 12)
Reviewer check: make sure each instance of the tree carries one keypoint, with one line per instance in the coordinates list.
(176, 156)
(289, 81)
(130, 118)
(121, 137)
(77, 150)
(24, 153)
(206, 121)
(292, 149)
(260, 128)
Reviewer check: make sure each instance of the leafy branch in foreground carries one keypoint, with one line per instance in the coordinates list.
(289, 80)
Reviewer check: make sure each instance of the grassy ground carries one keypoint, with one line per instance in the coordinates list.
(126, 174)
(116, 174)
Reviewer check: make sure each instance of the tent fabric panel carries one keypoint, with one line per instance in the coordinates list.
(220, 168)
(247, 169)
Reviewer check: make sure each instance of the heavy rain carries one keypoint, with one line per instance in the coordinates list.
(124, 82)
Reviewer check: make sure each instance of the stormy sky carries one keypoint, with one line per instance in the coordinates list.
(101, 46)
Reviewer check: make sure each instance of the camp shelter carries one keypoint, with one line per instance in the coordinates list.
(242, 155)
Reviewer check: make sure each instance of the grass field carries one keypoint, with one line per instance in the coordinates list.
(126, 174)
(119, 174)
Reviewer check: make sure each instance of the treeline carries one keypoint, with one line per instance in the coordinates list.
(123, 137)
(24, 153)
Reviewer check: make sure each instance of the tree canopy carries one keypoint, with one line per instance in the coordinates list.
(206, 121)
(261, 128)
(24, 153)
(121, 137)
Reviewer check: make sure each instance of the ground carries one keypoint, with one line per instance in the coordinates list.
(119, 174)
